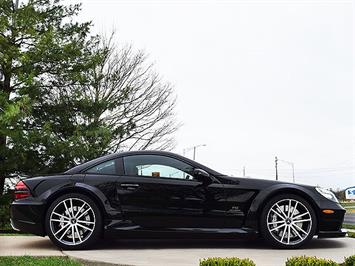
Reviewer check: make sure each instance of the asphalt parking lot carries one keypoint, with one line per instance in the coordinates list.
(178, 252)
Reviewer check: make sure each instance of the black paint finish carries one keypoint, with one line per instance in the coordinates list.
(147, 206)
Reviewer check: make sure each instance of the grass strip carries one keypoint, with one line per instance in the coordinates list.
(349, 226)
(15, 234)
(37, 261)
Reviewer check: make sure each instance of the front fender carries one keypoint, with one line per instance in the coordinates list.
(256, 207)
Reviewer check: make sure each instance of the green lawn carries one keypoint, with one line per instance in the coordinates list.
(345, 204)
(349, 226)
(15, 234)
(349, 206)
(38, 261)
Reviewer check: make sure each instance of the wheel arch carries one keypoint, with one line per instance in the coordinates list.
(85, 195)
(76, 189)
(97, 196)
(256, 208)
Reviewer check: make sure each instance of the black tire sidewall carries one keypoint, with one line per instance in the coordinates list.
(95, 235)
(263, 221)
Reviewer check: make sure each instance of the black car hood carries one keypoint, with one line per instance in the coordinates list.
(262, 182)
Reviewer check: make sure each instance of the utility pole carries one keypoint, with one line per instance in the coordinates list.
(243, 171)
(277, 175)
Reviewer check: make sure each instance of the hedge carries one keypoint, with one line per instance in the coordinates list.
(226, 262)
(349, 261)
(294, 261)
(314, 261)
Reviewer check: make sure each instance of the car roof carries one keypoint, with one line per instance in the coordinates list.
(81, 167)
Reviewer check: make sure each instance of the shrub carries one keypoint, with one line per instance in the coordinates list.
(309, 261)
(5, 201)
(226, 262)
(350, 261)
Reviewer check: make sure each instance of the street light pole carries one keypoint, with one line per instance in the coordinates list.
(289, 163)
(194, 150)
(276, 173)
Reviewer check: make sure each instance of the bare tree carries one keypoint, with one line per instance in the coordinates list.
(122, 102)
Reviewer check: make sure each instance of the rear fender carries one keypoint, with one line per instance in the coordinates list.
(50, 195)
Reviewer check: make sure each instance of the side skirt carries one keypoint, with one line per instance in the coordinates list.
(185, 233)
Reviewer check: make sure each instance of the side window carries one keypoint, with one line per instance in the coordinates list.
(157, 166)
(105, 168)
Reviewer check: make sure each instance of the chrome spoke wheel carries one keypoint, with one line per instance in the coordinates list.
(289, 221)
(72, 221)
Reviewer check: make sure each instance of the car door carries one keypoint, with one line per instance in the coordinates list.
(161, 192)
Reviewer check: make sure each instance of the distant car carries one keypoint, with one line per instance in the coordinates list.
(160, 194)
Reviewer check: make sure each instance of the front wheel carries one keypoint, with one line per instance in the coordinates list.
(73, 221)
(288, 221)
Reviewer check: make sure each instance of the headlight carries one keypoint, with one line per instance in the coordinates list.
(327, 193)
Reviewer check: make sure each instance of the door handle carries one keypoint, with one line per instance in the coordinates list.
(129, 185)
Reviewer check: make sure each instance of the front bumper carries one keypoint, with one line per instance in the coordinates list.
(330, 223)
(28, 216)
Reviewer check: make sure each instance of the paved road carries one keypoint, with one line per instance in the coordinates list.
(177, 252)
(349, 218)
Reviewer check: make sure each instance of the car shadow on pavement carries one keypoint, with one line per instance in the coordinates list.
(206, 243)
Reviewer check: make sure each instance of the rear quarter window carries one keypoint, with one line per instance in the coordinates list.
(105, 168)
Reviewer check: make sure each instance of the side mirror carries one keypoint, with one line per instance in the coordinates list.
(202, 175)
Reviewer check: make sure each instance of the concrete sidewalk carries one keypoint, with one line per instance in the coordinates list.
(189, 252)
(177, 252)
(27, 245)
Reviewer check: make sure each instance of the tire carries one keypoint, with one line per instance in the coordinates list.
(73, 221)
(288, 227)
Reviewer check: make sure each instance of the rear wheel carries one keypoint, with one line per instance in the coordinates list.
(288, 221)
(73, 221)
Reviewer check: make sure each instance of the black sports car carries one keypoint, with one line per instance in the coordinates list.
(155, 194)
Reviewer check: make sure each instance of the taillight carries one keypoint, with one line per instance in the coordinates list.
(21, 191)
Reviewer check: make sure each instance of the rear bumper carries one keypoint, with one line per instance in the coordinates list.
(28, 216)
(331, 234)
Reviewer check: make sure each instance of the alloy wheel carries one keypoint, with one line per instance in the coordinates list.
(289, 221)
(72, 221)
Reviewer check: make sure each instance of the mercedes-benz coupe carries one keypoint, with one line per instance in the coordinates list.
(161, 194)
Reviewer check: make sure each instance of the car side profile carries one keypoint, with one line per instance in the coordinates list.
(161, 194)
